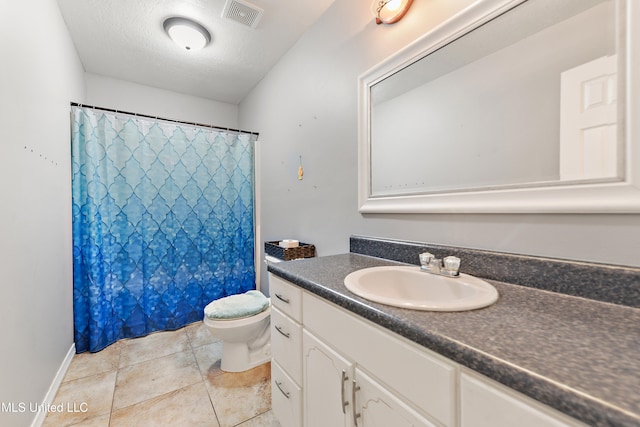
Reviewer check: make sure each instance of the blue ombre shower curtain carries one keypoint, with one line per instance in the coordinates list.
(163, 223)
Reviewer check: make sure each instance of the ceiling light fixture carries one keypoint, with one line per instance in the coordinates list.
(389, 11)
(186, 33)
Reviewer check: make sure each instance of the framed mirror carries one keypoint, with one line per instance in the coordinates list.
(510, 106)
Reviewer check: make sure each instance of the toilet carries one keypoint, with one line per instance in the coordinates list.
(242, 323)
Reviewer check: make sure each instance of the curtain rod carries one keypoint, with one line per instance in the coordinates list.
(77, 104)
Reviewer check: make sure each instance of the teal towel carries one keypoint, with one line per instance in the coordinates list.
(236, 306)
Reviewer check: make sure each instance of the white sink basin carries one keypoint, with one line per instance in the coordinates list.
(409, 287)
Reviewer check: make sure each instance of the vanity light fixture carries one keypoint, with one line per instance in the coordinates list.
(186, 33)
(389, 11)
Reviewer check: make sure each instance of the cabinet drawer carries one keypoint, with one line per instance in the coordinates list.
(285, 296)
(484, 403)
(286, 398)
(286, 344)
(422, 377)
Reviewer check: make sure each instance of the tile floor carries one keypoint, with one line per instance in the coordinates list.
(163, 379)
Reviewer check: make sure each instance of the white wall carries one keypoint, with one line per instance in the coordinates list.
(307, 105)
(122, 95)
(39, 76)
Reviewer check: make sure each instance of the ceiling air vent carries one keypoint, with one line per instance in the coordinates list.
(242, 12)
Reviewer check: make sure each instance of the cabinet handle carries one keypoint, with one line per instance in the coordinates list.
(283, 299)
(279, 329)
(286, 394)
(354, 408)
(345, 403)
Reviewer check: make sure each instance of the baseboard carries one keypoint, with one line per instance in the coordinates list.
(55, 385)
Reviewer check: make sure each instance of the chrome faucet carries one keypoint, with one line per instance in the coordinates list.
(449, 266)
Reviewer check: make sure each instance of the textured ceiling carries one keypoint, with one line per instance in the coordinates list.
(124, 39)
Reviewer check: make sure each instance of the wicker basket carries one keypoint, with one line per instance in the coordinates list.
(304, 250)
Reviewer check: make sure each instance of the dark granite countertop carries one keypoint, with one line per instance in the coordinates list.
(579, 356)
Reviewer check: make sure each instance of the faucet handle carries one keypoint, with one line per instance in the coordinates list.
(425, 259)
(451, 266)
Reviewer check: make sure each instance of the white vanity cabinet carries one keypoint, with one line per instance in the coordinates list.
(355, 374)
(337, 369)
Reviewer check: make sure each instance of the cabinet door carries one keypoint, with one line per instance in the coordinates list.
(327, 378)
(379, 408)
(484, 404)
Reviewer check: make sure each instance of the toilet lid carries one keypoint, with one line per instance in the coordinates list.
(237, 306)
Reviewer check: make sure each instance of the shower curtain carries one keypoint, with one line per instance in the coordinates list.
(163, 223)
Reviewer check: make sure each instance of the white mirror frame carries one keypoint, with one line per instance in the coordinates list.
(612, 197)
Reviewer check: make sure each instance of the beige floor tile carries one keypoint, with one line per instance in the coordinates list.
(152, 346)
(263, 420)
(209, 357)
(82, 400)
(158, 380)
(189, 406)
(199, 334)
(100, 421)
(240, 396)
(87, 364)
(155, 377)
